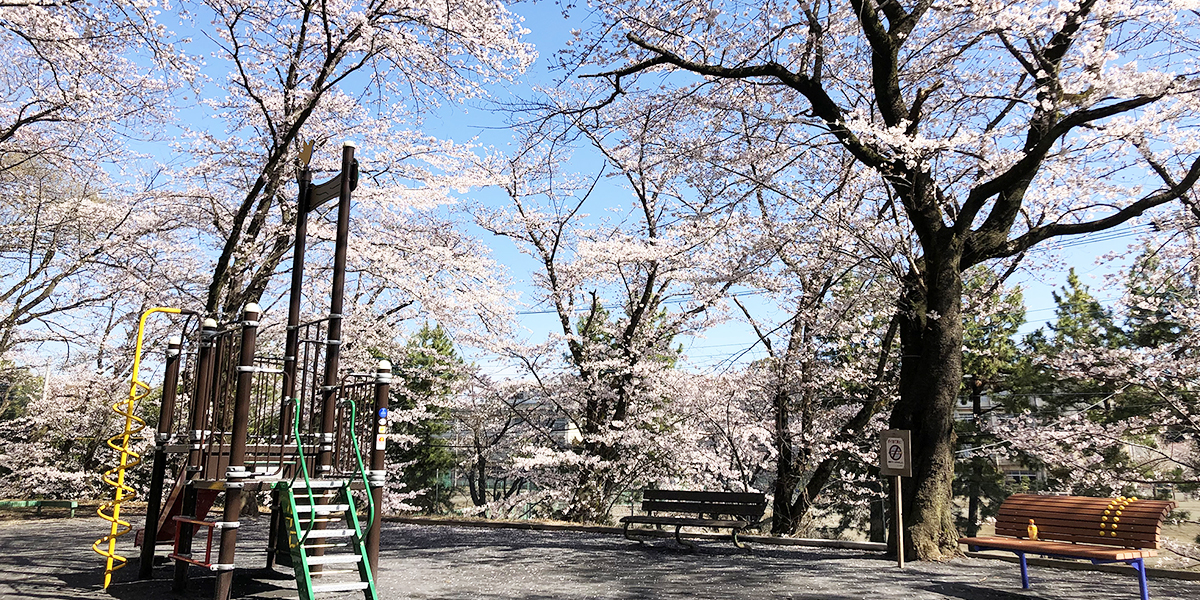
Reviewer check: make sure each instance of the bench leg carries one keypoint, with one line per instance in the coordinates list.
(738, 543)
(1024, 571)
(680, 540)
(1140, 565)
(629, 537)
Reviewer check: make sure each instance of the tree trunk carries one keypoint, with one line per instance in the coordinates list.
(783, 520)
(478, 470)
(877, 531)
(931, 337)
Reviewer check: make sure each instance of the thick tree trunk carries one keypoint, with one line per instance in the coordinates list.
(931, 374)
(588, 504)
(877, 531)
(787, 477)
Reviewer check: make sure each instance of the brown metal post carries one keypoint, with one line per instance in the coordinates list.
(292, 344)
(276, 540)
(899, 521)
(334, 336)
(158, 473)
(200, 400)
(235, 474)
(377, 476)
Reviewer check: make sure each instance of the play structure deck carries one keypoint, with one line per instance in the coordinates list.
(238, 420)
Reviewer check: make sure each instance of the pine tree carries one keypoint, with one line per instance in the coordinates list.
(989, 352)
(1154, 303)
(428, 373)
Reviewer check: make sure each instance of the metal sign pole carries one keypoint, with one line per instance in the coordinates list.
(899, 521)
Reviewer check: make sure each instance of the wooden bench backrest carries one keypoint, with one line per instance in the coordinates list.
(747, 505)
(1127, 523)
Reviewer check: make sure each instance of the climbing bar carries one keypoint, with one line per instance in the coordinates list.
(115, 477)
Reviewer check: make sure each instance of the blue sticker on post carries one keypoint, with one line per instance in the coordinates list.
(383, 413)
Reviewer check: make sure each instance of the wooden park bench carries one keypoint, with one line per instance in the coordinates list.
(70, 505)
(1102, 530)
(742, 509)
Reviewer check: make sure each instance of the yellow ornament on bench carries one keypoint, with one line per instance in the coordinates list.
(1032, 530)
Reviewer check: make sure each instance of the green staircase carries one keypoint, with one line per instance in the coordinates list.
(325, 539)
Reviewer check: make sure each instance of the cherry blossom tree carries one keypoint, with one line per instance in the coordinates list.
(829, 351)
(993, 127)
(57, 447)
(81, 77)
(305, 71)
(82, 227)
(497, 422)
(81, 258)
(622, 288)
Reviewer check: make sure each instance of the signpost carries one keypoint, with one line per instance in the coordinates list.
(895, 459)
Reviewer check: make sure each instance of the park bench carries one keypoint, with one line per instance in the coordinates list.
(70, 505)
(742, 509)
(1102, 530)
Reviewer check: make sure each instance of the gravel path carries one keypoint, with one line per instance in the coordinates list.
(52, 559)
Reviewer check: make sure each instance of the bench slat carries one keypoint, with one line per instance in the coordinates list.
(702, 508)
(695, 496)
(1122, 539)
(1049, 523)
(722, 523)
(1050, 527)
(1086, 500)
(1090, 536)
(1082, 513)
(1077, 504)
(1057, 548)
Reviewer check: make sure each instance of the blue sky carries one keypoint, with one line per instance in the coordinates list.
(549, 31)
(484, 122)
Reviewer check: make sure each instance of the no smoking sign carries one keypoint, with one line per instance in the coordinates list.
(894, 454)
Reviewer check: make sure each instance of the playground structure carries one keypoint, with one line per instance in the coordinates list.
(294, 426)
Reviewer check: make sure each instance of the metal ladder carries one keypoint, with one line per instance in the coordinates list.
(325, 538)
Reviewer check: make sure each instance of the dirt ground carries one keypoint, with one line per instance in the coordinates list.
(51, 558)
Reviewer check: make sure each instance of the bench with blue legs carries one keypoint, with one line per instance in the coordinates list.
(1102, 530)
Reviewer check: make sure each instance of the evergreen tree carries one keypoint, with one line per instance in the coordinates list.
(1155, 303)
(428, 374)
(1080, 322)
(1059, 381)
(990, 324)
